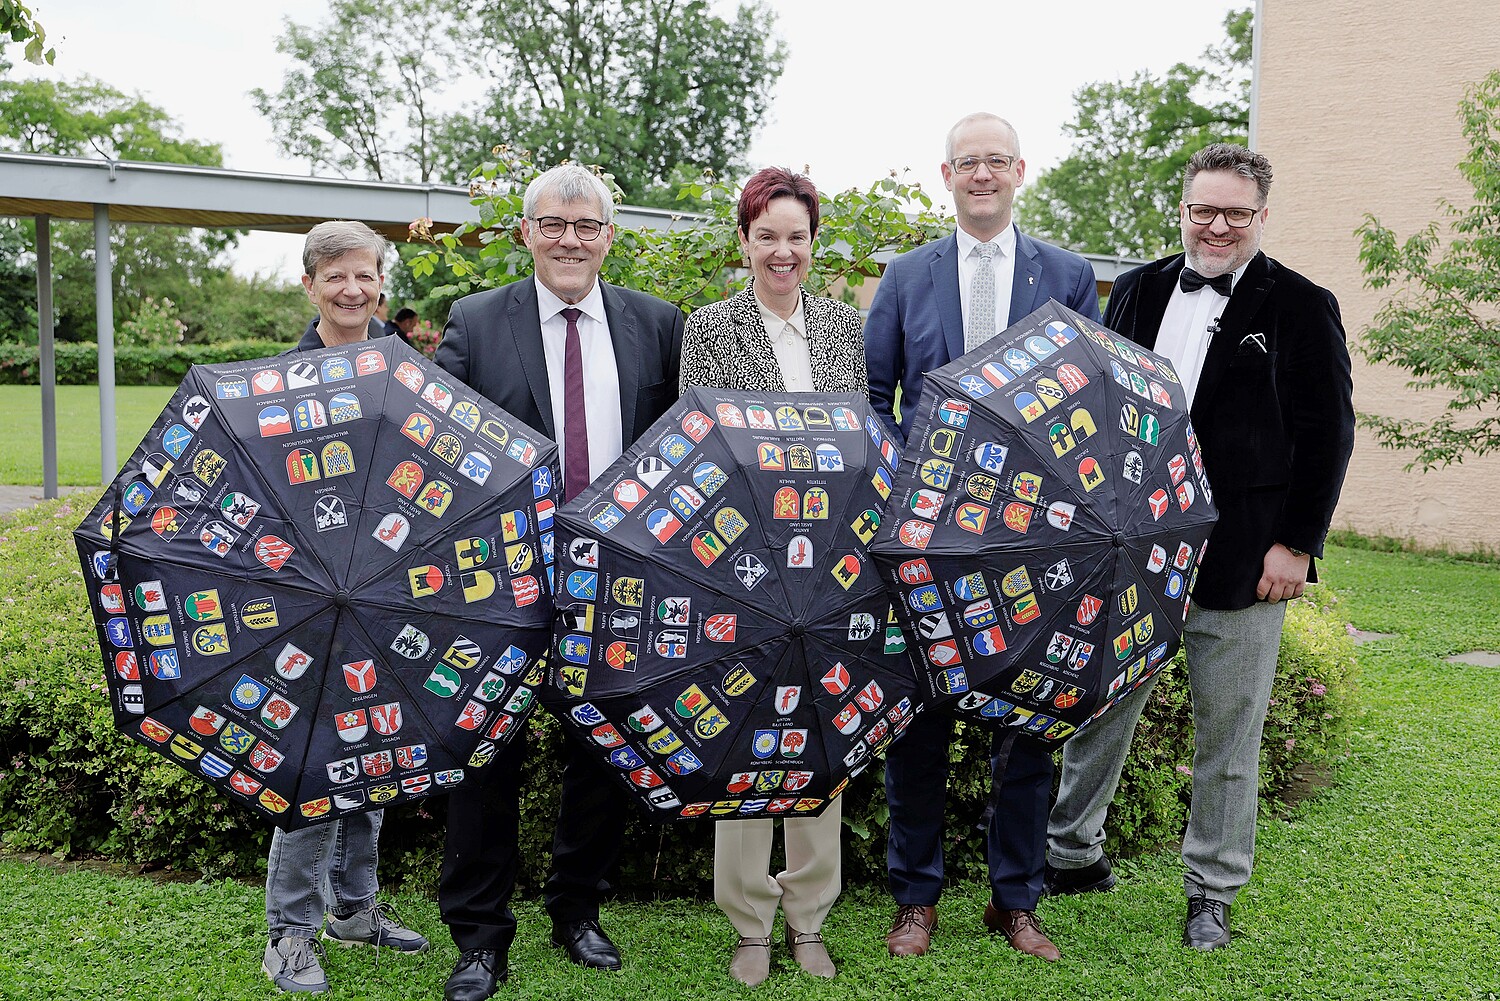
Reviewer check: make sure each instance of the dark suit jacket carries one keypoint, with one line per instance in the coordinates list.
(493, 344)
(916, 321)
(1276, 426)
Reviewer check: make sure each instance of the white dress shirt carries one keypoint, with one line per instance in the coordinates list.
(601, 377)
(1187, 329)
(1004, 263)
(789, 343)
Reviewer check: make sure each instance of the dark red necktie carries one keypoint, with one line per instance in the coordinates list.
(576, 430)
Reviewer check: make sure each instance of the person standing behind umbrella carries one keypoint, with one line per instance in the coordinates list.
(592, 366)
(329, 870)
(933, 305)
(775, 337)
(405, 322)
(1261, 353)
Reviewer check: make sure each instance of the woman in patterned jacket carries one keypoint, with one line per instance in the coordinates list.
(775, 337)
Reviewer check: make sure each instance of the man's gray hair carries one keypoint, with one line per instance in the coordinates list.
(1231, 157)
(981, 116)
(569, 182)
(328, 241)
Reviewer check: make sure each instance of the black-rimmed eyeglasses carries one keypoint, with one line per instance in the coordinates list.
(553, 227)
(998, 163)
(1238, 217)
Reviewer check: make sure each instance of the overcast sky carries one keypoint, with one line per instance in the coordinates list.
(869, 86)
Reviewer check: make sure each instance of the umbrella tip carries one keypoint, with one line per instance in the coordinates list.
(341, 599)
(1119, 540)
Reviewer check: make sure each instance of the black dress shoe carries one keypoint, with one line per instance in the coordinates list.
(1097, 875)
(587, 945)
(1207, 924)
(476, 976)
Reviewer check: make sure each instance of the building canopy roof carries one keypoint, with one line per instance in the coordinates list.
(214, 198)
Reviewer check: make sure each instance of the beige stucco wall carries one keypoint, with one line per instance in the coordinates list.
(1358, 113)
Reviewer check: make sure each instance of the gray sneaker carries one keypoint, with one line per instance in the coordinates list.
(376, 925)
(292, 964)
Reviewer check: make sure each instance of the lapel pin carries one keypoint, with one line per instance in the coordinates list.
(1031, 279)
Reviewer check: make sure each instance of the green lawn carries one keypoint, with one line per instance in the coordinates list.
(136, 407)
(1378, 888)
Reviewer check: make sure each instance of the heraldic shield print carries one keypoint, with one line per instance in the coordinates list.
(723, 642)
(321, 582)
(1043, 536)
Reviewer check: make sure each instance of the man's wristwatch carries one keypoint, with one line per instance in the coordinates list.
(1293, 550)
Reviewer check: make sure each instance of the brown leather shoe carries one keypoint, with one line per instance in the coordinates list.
(911, 932)
(1023, 930)
(751, 964)
(810, 953)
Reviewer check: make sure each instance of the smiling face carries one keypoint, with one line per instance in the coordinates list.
(1216, 248)
(345, 292)
(567, 265)
(779, 249)
(982, 199)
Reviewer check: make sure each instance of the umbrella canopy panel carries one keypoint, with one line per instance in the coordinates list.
(723, 641)
(1051, 513)
(322, 579)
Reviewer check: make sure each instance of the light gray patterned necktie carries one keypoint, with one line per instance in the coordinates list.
(981, 325)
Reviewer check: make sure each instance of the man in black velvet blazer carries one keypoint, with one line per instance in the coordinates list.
(522, 346)
(1260, 351)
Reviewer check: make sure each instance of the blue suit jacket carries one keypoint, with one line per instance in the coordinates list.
(916, 321)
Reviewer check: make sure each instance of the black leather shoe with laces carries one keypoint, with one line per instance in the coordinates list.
(476, 976)
(587, 945)
(1096, 876)
(1207, 923)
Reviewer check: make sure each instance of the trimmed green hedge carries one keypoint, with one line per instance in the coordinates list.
(70, 784)
(78, 364)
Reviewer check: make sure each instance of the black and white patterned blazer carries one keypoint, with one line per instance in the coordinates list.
(725, 346)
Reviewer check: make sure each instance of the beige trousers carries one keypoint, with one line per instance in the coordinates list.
(746, 891)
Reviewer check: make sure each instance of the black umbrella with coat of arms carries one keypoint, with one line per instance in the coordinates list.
(722, 641)
(1043, 537)
(321, 583)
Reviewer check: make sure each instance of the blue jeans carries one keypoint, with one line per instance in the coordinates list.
(327, 867)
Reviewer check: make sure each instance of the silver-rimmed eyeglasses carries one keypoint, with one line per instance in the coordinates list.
(998, 163)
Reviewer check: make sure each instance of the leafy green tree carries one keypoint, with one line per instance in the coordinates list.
(361, 96)
(89, 118)
(17, 284)
(223, 307)
(19, 24)
(655, 90)
(658, 90)
(1442, 323)
(1117, 191)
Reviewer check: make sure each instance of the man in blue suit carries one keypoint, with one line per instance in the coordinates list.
(933, 305)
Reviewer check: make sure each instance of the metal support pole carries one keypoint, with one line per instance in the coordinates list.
(104, 306)
(46, 354)
(1253, 132)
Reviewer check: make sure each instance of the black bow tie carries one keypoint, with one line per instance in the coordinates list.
(1192, 281)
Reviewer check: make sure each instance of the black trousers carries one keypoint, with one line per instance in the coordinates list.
(480, 861)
